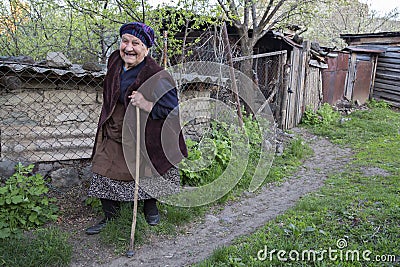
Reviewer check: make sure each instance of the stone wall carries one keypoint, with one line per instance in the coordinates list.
(195, 114)
(49, 117)
(48, 123)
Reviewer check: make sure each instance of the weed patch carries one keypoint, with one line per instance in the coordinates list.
(23, 203)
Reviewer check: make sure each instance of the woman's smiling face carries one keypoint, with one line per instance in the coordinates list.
(132, 50)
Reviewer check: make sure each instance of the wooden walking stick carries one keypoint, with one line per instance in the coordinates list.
(130, 252)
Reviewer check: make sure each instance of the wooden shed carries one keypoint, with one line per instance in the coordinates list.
(302, 85)
(385, 80)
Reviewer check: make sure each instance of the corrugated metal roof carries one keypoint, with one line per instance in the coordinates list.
(366, 49)
(75, 71)
(193, 77)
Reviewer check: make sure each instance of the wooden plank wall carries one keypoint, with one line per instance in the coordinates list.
(313, 88)
(351, 77)
(304, 87)
(292, 89)
(301, 82)
(387, 78)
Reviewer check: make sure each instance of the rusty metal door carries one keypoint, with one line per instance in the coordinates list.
(360, 77)
(363, 79)
(334, 78)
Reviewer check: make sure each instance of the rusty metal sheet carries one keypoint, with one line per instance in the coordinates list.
(332, 63)
(362, 83)
(343, 62)
(333, 83)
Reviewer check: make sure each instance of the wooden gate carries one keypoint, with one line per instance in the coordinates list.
(303, 88)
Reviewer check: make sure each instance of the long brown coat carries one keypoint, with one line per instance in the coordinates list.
(108, 157)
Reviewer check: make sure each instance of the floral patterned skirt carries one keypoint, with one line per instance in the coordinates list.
(149, 187)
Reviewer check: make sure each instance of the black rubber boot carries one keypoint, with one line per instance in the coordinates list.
(110, 209)
(95, 229)
(151, 211)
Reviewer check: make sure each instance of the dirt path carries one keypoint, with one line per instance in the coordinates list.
(243, 217)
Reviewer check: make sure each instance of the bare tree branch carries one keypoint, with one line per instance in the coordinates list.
(264, 17)
(385, 20)
(246, 13)
(225, 9)
(143, 13)
(89, 11)
(254, 15)
(233, 8)
(263, 23)
(132, 12)
(231, 13)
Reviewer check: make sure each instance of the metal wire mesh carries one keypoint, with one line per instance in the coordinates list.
(50, 108)
(267, 70)
(47, 113)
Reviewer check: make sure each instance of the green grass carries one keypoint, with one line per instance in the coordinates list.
(117, 232)
(356, 206)
(361, 126)
(44, 247)
(286, 164)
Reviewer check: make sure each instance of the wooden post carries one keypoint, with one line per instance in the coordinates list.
(165, 56)
(232, 73)
(371, 90)
(285, 88)
(301, 79)
(305, 80)
(279, 85)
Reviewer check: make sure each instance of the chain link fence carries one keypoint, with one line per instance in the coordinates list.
(48, 113)
(50, 108)
(267, 71)
(268, 75)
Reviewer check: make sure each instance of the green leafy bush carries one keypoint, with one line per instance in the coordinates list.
(210, 156)
(310, 117)
(23, 203)
(94, 203)
(373, 103)
(324, 115)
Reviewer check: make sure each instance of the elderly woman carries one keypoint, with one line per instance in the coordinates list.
(127, 70)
